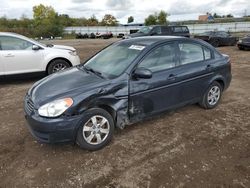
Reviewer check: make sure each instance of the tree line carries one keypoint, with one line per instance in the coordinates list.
(47, 22)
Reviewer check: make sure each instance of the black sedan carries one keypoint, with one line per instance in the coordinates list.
(126, 82)
(244, 43)
(218, 38)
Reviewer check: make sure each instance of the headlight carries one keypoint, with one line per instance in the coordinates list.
(74, 53)
(55, 108)
(240, 41)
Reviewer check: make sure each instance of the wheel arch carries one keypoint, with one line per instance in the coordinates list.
(109, 109)
(57, 58)
(220, 80)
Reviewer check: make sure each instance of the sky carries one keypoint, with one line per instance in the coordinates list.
(122, 9)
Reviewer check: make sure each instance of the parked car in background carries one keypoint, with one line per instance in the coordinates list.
(19, 54)
(126, 82)
(82, 36)
(92, 36)
(107, 35)
(160, 30)
(244, 43)
(218, 38)
(120, 35)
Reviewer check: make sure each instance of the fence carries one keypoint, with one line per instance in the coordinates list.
(194, 28)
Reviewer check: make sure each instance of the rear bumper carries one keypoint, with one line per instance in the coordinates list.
(52, 130)
(228, 81)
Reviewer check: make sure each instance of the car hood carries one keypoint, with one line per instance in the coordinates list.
(62, 47)
(68, 83)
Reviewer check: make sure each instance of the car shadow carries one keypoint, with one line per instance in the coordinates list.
(24, 79)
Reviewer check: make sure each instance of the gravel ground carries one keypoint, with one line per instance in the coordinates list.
(188, 147)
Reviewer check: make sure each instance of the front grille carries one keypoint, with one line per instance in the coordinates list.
(29, 105)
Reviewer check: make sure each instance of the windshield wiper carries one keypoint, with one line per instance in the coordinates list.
(88, 69)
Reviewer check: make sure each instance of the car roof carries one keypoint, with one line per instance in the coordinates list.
(10, 34)
(14, 35)
(150, 40)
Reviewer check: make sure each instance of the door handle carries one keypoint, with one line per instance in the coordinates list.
(171, 77)
(9, 55)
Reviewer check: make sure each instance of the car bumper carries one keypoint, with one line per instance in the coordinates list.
(243, 45)
(52, 130)
(75, 60)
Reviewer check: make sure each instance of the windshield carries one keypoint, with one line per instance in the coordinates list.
(112, 61)
(207, 33)
(145, 29)
(35, 41)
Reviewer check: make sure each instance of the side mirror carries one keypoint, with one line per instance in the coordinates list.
(153, 33)
(142, 72)
(35, 47)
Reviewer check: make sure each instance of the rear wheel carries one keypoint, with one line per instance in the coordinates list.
(96, 129)
(57, 65)
(212, 96)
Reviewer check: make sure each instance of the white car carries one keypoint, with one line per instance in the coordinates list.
(19, 54)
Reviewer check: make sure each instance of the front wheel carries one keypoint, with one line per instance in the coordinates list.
(241, 48)
(215, 43)
(212, 96)
(96, 129)
(57, 65)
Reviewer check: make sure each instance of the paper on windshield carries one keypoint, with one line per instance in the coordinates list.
(136, 47)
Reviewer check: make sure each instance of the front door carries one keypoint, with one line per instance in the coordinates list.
(17, 56)
(150, 96)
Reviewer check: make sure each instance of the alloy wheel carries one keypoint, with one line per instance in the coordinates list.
(96, 130)
(213, 95)
(58, 67)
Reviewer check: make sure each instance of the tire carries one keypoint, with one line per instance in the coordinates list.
(241, 48)
(57, 65)
(215, 43)
(94, 136)
(212, 96)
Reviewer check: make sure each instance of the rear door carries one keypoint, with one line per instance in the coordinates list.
(17, 56)
(194, 70)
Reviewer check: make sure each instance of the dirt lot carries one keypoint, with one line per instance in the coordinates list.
(190, 147)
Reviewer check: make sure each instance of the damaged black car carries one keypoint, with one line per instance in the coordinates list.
(218, 38)
(124, 83)
(244, 43)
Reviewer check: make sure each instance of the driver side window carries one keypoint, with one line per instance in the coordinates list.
(12, 43)
(160, 58)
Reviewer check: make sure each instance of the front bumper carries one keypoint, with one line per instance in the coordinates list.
(51, 130)
(75, 60)
(243, 45)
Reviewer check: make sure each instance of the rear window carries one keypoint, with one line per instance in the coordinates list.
(192, 52)
(177, 29)
(184, 29)
(180, 29)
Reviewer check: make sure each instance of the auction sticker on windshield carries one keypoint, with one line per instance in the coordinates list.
(136, 47)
